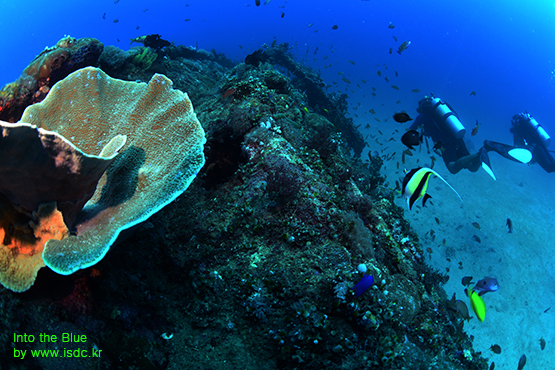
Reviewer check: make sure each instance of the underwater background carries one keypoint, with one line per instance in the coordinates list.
(500, 50)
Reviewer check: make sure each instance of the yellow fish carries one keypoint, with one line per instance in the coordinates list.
(138, 40)
(415, 185)
(477, 304)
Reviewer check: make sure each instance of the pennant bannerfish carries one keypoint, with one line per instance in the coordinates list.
(415, 185)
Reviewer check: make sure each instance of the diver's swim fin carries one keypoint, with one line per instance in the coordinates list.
(520, 154)
(486, 165)
(513, 153)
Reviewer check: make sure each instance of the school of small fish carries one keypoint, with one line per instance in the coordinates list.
(414, 180)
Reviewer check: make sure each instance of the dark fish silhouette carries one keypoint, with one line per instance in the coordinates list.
(255, 58)
(475, 129)
(335, 26)
(495, 349)
(401, 117)
(156, 41)
(439, 148)
(403, 47)
(510, 225)
(521, 362)
(411, 138)
(462, 309)
(467, 280)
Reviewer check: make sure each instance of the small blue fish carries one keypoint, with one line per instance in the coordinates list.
(363, 285)
(487, 284)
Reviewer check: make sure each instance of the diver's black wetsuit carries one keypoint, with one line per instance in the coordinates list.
(451, 148)
(526, 136)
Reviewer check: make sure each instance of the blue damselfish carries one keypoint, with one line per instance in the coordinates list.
(363, 285)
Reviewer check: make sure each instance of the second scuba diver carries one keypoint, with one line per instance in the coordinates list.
(528, 135)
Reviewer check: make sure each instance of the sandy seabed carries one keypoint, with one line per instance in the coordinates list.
(519, 313)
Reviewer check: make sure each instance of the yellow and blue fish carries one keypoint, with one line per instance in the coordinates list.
(415, 185)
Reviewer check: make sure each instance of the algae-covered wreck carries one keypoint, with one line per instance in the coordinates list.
(254, 265)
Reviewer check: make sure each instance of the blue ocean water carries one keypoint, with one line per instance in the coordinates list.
(500, 49)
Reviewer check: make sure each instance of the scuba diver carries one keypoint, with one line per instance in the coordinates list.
(530, 135)
(444, 127)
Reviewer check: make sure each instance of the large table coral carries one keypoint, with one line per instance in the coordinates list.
(160, 144)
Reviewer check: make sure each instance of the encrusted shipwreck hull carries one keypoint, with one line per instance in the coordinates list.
(254, 266)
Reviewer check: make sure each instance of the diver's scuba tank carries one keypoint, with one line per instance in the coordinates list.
(538, 131)
(446, 120)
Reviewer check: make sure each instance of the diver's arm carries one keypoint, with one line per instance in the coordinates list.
(418, 122)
